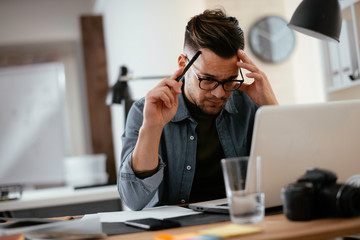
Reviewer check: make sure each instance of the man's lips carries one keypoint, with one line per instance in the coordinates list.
(215, 101)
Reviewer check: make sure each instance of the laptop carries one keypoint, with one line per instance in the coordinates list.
(292, 138)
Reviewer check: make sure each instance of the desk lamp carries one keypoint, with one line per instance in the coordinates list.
(120, 90)
(318, 18)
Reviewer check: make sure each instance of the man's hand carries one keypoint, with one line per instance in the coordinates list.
(260, 90)
(161, 103)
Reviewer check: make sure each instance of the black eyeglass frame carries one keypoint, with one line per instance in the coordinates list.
(218, 82)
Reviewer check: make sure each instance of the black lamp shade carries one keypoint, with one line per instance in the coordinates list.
(318, 18)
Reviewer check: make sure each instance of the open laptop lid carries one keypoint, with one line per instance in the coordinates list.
(290, 139)
(293, 138)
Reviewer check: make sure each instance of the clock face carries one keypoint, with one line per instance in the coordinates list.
(271, 39)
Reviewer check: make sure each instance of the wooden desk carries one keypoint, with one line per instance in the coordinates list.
(275, 227)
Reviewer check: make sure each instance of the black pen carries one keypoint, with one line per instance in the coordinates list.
(180, 78)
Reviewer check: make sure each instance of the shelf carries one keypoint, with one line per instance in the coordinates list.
(347, 3)
(344, 86)
(344, 57)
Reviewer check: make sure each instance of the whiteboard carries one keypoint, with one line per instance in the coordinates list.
(32, 131)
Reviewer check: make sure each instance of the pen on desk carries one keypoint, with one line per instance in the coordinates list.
(180, 78)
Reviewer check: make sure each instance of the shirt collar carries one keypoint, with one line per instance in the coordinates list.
(182, 111)
(230, 105)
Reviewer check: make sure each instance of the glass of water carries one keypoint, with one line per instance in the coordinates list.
(242, 177)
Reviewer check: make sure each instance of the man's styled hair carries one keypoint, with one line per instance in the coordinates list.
(214, 30)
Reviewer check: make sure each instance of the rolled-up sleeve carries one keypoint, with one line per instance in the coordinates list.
(136, 193)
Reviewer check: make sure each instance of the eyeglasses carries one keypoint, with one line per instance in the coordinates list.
(210, 83)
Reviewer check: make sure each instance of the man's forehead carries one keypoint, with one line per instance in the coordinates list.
(208, 55)
(209, 62)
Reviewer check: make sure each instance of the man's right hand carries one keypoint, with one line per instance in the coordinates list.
(161, 102)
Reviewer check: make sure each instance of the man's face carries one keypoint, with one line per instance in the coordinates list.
(210, 65)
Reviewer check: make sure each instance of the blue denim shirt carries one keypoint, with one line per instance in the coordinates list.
(172, 182)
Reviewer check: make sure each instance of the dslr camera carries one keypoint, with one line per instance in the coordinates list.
(317, 195)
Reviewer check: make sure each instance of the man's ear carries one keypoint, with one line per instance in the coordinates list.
(182, 60)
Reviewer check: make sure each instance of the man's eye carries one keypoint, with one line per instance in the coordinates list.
(209, 79)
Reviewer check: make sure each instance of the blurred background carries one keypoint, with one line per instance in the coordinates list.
(54, 37)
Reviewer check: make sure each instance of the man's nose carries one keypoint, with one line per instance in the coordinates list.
(218, 92)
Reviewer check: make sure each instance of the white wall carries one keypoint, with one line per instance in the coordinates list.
(146, 36)
(53, 26)
(33, 21)
(308, 66)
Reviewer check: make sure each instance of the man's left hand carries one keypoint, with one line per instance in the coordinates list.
(260, 90)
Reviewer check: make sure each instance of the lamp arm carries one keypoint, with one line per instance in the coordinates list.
(129, 78)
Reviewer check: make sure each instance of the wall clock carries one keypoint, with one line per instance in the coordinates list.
(271, 39)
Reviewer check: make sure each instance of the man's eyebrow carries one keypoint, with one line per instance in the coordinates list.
(207, 75)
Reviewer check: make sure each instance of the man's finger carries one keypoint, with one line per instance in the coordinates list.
(254, 75)
(177, 73)
(242, 55)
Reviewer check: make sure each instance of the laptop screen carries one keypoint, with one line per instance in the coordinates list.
(293, 138)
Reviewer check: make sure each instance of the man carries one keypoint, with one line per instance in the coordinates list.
(176, 136)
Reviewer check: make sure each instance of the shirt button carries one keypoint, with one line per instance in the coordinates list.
(191, 138)
(183, 201)
(188, 167)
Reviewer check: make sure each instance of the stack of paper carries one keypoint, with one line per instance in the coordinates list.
(161, 212)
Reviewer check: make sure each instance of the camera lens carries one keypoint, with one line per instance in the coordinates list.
(348, 200)
(340, 200)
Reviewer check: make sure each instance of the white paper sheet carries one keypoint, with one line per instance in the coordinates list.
(156, 212)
